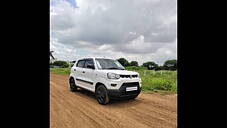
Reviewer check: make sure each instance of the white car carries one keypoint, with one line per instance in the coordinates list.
(107, 78)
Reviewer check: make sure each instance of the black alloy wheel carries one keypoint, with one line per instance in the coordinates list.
(72, 84)
(102, 95)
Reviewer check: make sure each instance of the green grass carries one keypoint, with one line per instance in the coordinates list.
(131, 68)
(151, 80)
(60, 70)
(158, 80)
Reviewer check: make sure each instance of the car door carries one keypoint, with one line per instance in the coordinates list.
(78, 71)
(89, 74)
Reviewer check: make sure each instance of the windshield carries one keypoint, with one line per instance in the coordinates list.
(108, 64)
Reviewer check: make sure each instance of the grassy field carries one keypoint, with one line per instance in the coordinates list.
(151, 80)
(60, 70)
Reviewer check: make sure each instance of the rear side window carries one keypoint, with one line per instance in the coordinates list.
(80, 63)
(89, 61)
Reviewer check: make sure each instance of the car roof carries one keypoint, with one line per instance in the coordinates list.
(93, 58)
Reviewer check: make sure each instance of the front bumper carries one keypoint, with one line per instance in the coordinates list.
(120, 82)
(121, 93)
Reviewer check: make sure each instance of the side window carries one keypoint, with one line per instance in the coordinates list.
(80, 63)
(89, 62)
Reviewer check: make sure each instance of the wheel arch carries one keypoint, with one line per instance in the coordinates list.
(98, 84)
(71, 77)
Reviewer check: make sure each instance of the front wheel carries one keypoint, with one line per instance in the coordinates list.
(102, 95)
(72, 85)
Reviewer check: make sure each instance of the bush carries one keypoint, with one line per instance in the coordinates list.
(62, 64)
(170, 65)
(150, 65)
(161, 84)
(123, 62)
(134, 63)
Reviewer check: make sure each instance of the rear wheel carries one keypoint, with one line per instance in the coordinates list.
(72, 85)
(102, 95)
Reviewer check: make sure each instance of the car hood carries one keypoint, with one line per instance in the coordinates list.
(120, 72)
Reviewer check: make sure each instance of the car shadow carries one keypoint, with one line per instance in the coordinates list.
(113, 102)
(87, 93)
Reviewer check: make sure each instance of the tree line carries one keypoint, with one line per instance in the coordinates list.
(168, 65)
(60, 64)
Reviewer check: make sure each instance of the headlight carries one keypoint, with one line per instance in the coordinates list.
(113, 76)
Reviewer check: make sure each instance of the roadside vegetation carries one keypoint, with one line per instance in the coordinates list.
(64, 71)
(152, 80)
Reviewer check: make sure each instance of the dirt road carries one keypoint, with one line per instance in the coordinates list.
(81, 110)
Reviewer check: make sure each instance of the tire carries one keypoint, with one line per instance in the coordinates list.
(101, 95)
(73, 87)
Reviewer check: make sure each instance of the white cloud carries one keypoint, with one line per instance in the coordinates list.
(143, 30)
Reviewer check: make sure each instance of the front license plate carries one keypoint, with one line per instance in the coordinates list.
(131, 88)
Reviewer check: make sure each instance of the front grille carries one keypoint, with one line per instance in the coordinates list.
(131, 84)
(128, 76)
(134, 76)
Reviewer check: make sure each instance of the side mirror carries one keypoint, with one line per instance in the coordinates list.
(91, 66)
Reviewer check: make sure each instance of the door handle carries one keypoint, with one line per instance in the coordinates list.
(74, 69)
(83, 72)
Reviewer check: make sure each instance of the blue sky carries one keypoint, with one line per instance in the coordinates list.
(72, 3)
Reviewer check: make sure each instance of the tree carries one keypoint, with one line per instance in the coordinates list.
(134, 63)
(123, 61)
(170, 65)
(158, 68)
(150, 65)
(62, 64)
